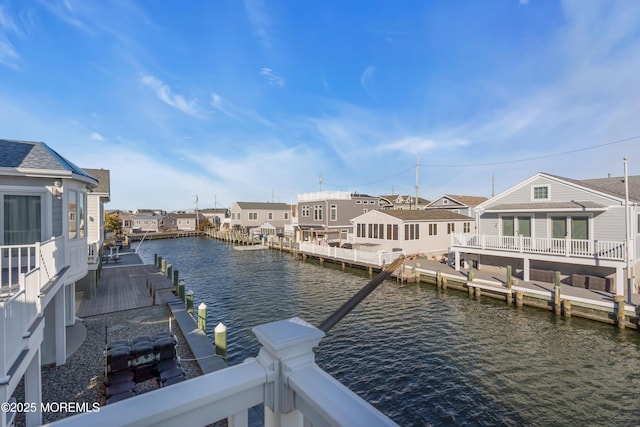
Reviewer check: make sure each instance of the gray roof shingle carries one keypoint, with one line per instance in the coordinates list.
(35, 155)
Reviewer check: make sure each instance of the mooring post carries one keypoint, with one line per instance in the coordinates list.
(619, 302)
(470, 273)
(169, 271)
(519, 297)
(159, 265)
(163, 266)
(444, 282)
(202, 317)
(438, 278)
(181, 291)
(189, 298)
(556, 294)
(155, 259)
(220, 336)
(175, 280)
(567, 307)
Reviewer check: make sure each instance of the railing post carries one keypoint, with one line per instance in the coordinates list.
(287, 346)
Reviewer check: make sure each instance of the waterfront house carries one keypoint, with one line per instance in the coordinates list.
(43, 253)
(413, 232)
(246, 216)
(399, 201)
(326, 215)
(184, 221)
(216, 216)
(464, 205)
(550, 223)
(147, 221)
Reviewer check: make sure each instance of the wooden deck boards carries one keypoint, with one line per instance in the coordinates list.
(121, 288)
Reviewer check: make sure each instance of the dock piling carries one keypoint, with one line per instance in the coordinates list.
(220, 336)
(189, 301)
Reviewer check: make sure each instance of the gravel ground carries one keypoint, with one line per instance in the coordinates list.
(80, 379)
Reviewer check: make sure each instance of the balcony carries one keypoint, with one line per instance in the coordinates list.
(567, 248)
(377, 259)
(284, 378)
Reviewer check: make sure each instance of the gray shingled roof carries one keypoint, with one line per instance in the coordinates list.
(35, 155)
(428, 215)
(613, 186)
(104, 180)
(546, 206)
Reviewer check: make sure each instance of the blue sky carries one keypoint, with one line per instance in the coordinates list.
(255, 100)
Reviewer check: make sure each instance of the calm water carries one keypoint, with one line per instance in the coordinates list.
(421, 356)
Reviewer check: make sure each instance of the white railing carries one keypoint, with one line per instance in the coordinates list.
(51, 259)
(324, 195)
(284, 378)
(93, 253)
(14, 260)
(16, 315)
(379, 258)
(600, 249)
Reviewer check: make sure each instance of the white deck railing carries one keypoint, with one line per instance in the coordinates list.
(15, 260)
(379, 258)
(16, 315)
(284, 378)
(599, 249)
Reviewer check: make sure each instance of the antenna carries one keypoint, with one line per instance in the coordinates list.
(320, 183)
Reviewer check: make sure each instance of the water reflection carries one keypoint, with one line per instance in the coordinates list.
(422, 356)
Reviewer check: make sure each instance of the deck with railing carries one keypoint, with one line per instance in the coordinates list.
(596, 249)
(284, 378)
(378, 259)
(26, 270)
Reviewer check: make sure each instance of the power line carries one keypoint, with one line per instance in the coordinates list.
(502, 162)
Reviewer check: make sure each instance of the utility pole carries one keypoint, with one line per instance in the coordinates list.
(196, 212)
(417, 173)
(627, 221)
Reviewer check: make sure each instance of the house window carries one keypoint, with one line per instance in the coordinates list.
(306, 210)
(358, 202)
(381, 231)
(466, 227)
(22, 219)
(286, 216)
(317, 212)
(580, 227)
(270, 216)
(451, 227)
(411, 231)
(540, 192)
(375, 231)
(73, 215)
(333, 213)
(370, 235)
(395, 231)
(253, 216)
(508, 227)
(433, 229)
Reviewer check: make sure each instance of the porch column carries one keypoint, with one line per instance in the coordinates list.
(33, 390)
(59, 327)
(525, 269)
(287, 346)
(621, 280)
(457, 260)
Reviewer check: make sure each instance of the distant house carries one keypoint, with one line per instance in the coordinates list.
(247, 216)
(464, 205)
(552, 223)
(43, 253)
(216, 216)
(398, 201)
(410, 231)
(327, 214)
(185, 221)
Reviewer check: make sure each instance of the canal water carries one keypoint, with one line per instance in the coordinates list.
(422, 356)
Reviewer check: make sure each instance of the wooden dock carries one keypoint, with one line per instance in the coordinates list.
(122, 288)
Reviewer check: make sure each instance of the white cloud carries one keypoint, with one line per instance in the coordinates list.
(272, 79)
(366, 80)
(165, 94)
(259, 19)
(8, 54)
(95, 136)
(417, 144)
